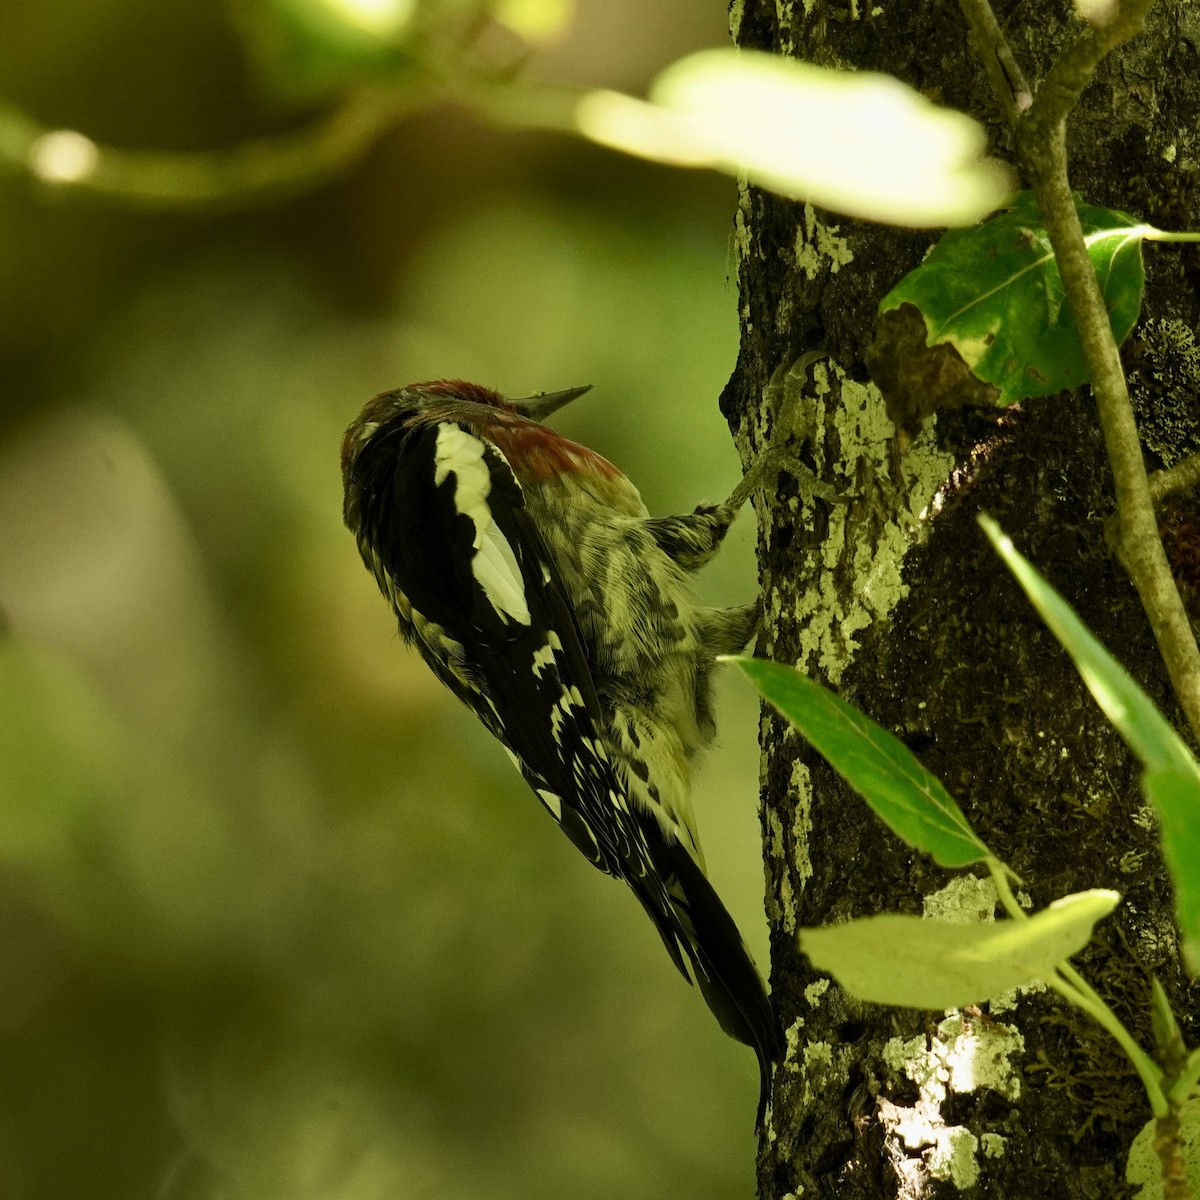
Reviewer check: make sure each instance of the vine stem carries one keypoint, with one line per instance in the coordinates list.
(1072, 987)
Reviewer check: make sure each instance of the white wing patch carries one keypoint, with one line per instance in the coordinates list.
(366, 432)
(552, 802)
(544, 657)
(493, 564)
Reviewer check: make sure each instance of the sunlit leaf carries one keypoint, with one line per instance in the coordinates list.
(912, 801)
(1137, 720)
(856, 142)
(918, 963)
(984, 320)
(1176, 798)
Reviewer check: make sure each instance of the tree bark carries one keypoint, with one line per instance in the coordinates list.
(895, 599)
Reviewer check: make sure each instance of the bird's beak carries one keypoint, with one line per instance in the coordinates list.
(542, 404)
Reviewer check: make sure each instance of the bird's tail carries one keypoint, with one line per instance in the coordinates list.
(723, 968)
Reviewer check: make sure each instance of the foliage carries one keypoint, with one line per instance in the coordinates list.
(984, 320)
(911, 800)
(224, 807)
(924, 963)
(927, 963)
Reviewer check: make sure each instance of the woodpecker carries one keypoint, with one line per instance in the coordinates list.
(532, 579)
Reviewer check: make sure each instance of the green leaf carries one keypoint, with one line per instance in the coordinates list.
(991, 304)
(912, 802)
(1144, 728)
(1164, 1026)
(918, 963)
(1176, 797)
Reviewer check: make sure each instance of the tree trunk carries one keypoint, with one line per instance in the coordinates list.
(895, 598)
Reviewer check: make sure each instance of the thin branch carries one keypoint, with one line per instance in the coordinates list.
(266, 168)
(1139, 544)
(257, 169)
(1072, 71)
(1007, 78)
(1041, 139)
(1182, 477)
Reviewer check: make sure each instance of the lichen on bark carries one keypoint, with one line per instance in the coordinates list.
(891, 593)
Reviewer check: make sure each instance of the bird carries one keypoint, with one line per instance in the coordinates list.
(529, 575)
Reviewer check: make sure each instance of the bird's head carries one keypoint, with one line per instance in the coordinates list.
(448, 399)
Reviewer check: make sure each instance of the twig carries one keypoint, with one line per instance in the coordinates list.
(1139, 545)
(1041, 139)
(1182, 477)
(1007, 78)
(1072, 71)
(262, 169)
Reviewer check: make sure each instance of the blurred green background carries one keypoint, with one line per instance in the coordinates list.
(277, 918)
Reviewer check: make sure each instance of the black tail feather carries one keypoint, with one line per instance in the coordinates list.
(725, 973)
